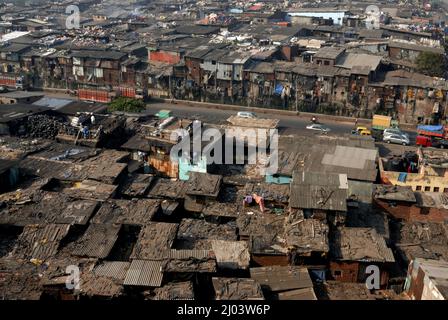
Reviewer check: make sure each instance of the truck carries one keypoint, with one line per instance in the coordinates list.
(14, 82)
(432, 135)
(380, 122)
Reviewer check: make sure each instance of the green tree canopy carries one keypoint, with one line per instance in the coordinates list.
(431, 64)
(126, 105)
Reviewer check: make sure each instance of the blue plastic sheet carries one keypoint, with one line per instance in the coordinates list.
(278, 89)
(431, 128)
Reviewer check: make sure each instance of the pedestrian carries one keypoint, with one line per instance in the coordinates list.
(356, 122)
(92, 119)
(85, 132)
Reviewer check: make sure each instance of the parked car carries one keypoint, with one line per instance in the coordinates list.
(390, 131)
(398, 139)
(318, 127)
(439, 143)
(246, 114)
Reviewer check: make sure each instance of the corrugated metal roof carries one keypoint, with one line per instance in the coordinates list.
(349, 157)
(97, 241)
(318, 197)
(299, 294)
(278, 278)
(320, 179)
(145, 273)
(41, 241)
(112, 269)
(187, 254)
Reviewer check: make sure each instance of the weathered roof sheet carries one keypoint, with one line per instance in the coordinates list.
(134, 212)
(175, 291)
(318, 197)
(154, 240)
(307, 235)
(137, 185)
(41, 241)
(112, 269)
(298, 294)
(361, 244)
(396, 193)
(203, 184)
(237, 289)
(97, 241)
(231, 254)
(278, 278)
(145, 273)
(195, 231)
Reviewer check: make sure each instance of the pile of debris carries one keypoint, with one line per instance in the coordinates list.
(43, 126)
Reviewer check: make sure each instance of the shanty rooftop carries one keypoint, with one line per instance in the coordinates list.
(396, 193)
(237, 289)
(203, 184)
(361, 244)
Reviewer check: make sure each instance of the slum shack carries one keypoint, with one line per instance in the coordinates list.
(136, 185)
(97, 241)
(153, 143)
(413, 240)
(231, 255)
(237, 289)
(335, 290)
(220, 210)
(175, 291)
(93, 131)
(38, 243)
(320, 195)
(306, 239)
(136, 212)
(279, 282)
(198, 234)
(35, 206)
(427, 280)
(265, 234)
(398, 202)
(265, 198)
(353, 249)
(155, 239)
(201, 188)
(246, 132)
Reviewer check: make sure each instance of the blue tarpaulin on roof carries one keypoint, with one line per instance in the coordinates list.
(278, 89)
(431, 128)
(318, 275)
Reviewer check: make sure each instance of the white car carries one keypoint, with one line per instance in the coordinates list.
(318, 127)
(397, 139)
(390, 131)
(246, 114)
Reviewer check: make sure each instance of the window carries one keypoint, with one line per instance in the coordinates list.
(326, 63)
(418, 188)
(445, 190)
(427, 188)
(98, 72)
(338, 273)
(436, 189)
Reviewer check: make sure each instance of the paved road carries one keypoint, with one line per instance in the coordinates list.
(288, 124)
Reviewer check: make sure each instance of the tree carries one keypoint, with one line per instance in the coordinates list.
(127, 105)
(431, 64)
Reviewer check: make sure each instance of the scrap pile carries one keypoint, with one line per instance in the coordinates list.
(43, 126)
